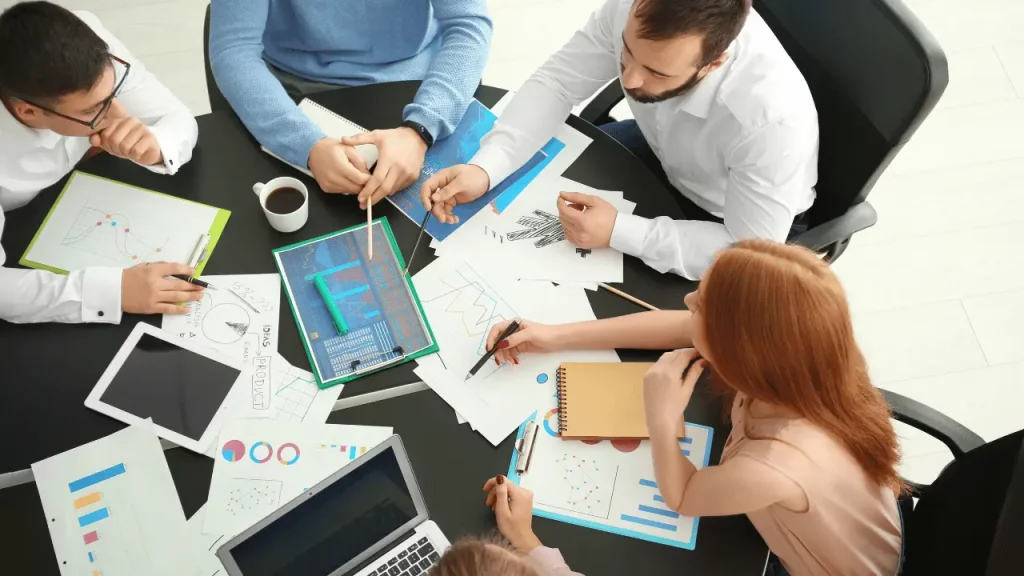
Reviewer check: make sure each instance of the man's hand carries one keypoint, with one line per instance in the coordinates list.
(400, 154)
(588, 221)
(126, 136)
(513, 509)
(148, 289)
(456, 185)
(667, 389)
(338, 168)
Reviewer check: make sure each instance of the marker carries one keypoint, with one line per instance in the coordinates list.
(332, 308)
(483, 359)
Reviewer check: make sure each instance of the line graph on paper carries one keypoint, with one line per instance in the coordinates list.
(110, 235)
(293, 396)
(471, 305)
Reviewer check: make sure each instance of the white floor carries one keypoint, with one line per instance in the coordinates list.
(937, 287)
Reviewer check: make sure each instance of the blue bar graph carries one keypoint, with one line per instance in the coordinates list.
(96, 478)
(372, 314)
(330, 271)
(686, 452)
(352, 453)
(659, 511)
(650, 483)
(658, 498)
(351, 292)
(92, 517)
(686, 441)
(91, 558)
(650, 523)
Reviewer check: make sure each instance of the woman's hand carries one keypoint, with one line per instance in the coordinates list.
(513, 509)
(668, 386)
(530, 337)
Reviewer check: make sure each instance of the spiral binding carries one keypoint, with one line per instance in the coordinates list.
(330, 112)
(563, 418)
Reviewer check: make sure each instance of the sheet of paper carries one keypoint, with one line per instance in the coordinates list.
(463, 303)
(112, 508)
(607, 485)
(239, 318)
(297, 398)
(262, 464)
(99, 222)
(205, 546)
(530, 231)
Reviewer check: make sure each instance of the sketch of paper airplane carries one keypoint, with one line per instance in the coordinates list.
(541, 225)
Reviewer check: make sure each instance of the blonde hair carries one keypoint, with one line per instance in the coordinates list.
(487, 556)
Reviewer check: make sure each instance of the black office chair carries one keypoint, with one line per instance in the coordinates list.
(970, 520)
(875, 73)
(218, 102)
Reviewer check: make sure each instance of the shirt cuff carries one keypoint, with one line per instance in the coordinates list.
(170, 150)
(493, 161)
(547, 559)
(629, 233)
(101, 295)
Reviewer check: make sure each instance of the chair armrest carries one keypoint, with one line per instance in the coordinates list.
(954, 435)
(857, 218)
(597, 111)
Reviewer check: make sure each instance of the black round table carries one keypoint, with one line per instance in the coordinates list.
(49, 369)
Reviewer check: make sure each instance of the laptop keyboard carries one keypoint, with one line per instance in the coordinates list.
(412, 561)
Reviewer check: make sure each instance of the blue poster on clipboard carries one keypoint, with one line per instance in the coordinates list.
(607, 485)
(459, 148)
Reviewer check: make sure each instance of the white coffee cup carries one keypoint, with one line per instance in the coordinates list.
(283, 222)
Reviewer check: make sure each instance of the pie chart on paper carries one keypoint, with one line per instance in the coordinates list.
(233, 450)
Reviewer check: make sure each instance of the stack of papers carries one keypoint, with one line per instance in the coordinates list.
(464, 302)
(529, 235)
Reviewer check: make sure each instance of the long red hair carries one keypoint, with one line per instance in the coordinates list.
(777, 327)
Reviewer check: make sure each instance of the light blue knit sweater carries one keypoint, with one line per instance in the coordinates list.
(346, 42)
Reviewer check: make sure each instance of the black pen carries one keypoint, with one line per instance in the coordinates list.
(508, 332)
(192, 280)
(412, 255)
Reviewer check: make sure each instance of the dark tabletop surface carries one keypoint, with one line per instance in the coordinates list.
(49, 369)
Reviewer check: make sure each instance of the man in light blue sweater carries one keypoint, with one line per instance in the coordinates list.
(265, 53)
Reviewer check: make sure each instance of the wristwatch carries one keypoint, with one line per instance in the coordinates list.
(421, 130)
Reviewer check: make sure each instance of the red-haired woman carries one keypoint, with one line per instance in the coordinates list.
(812, 455)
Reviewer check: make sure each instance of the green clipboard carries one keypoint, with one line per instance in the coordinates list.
(219, 222)
(399, 263)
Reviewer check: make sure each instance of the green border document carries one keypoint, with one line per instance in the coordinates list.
(356, 316)
(96, 221)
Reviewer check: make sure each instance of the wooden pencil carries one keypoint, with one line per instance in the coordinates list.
(369, 228)
(632, 299)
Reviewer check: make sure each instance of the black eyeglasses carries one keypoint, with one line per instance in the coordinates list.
(105, 105)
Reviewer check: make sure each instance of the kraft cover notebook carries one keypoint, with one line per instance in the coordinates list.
(384, 320)
(603, 400)
(101, 222)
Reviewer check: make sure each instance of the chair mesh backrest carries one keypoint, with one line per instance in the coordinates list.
(874, 72)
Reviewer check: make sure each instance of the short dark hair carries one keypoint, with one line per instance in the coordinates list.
(718, 21)
(47, 52)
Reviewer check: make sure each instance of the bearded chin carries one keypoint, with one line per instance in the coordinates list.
(642, 97)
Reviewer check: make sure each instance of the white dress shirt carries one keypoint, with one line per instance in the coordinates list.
(742, 144)
(31, 160)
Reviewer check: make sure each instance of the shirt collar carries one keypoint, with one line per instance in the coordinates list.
(697, 102)
(16, 133)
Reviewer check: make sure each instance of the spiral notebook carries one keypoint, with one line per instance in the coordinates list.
(334, 126)
(603, 400)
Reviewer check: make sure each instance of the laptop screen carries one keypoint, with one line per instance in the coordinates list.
(333, 526)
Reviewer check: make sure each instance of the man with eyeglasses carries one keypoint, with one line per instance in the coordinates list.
(68, 86)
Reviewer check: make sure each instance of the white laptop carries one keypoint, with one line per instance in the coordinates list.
(367, 519)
